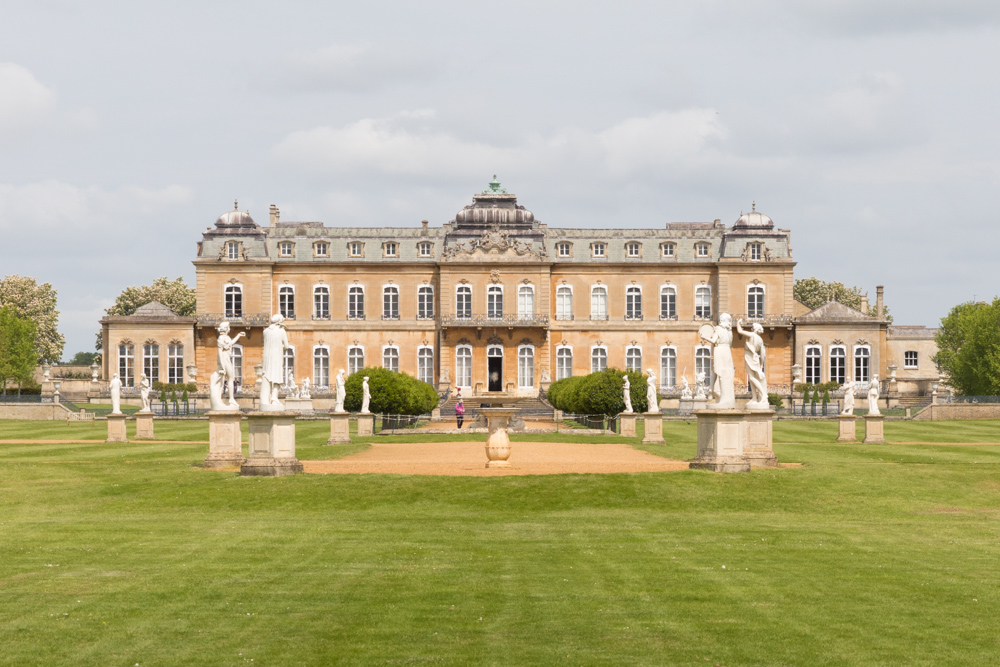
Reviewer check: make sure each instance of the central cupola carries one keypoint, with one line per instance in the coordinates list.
(494, 206)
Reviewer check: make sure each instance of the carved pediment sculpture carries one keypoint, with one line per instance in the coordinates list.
(494, 244)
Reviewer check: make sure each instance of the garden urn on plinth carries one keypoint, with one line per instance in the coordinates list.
(498, 443)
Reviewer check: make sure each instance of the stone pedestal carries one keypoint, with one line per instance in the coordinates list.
(722, 440)
(340, 428)
(366, 424)
(225, 441)
(848, 427)
(759, 438)
(873, 429)
(685, 406)
(303, 406)
(144, 426)
(116, 428)
(498, 443)
(653, 428)
(628, 424)
(272, 444)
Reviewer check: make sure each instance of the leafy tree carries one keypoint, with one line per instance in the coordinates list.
(174, 294)
(82, 359)
(969, 348)
(391, 393)
(599, 393)
(814, 292)
(18, 355)
(29, 300)
(565, 394)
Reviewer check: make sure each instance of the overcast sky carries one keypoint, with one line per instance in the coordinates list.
(868, 128)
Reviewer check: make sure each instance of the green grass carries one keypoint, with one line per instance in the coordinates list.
(868, 554)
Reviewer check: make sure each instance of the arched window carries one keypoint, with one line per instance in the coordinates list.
(463, 366)
(526, 366)
(463, 301)
(813, 355)
(494, 301)
(390, 302)
(288, 367)
(703, 364)
(321, 302)
(425, 365)
(425, 302)
(599, 302)
(598, 359)
(126, 364)
(151, 361)
(703, 302)
(633, 359)
(525, 301)
(356, 302)
(838, 364)
(234, 301)
(390, 358)
(355, 359)
(668, 367)
(175, 363)
(755, 301)
(321, 367)
(633, 303)
(238, 364)
(286, 301)
(564, 363)
(564, 303)
(862, 364)
(668, 302)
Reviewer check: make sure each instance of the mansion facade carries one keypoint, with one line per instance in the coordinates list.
(492, 301)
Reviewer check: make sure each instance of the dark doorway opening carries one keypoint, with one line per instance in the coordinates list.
(495, 368)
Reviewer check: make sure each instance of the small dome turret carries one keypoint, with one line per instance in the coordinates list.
(235, 218)
(753, 220)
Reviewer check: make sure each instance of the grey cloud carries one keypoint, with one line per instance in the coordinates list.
(865, 17)
(358, 67)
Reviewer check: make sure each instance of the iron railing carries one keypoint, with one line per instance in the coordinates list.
(484, 320)
(246, 319)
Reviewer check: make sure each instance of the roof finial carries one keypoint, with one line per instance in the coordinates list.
(236, 204)
(754, 204)
(494, 187)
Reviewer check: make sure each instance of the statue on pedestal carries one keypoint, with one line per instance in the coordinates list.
(225, 376)
(116, 395)
(627, 394)
(686, 389)
(304, 390)
(873, 396)
(721, 338)
(652, 401)
(144, 386)
(275, 344)
(341, 392)
(700, 387)
(754, 358)
(848, 398)
(366, 396)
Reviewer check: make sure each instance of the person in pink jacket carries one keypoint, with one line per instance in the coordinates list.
(460, 412)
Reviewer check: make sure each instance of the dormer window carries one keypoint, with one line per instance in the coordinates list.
(321, 249)
(755, 252)
(701, 250)
(667, 249)
(285, 248)
(564, 249)
(233, 249)
(390, 249)
(633, 249)
(355, 249)
(424, 249)
(597, 250)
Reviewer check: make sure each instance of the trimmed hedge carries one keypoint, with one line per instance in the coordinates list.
(392, 393)
(598, 393)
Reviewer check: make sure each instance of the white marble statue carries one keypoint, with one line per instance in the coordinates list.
(873, 396)
(700, 387)
(848, 398)
(627, 394)
(652, 402)
(227, 370)
(144, 387)
(275, 344)
(116, 395)
(754, 357)
(304, 389)
(341, 392)
(545, 375)
(366, 396)
(723, 369)
(291, 388)
(686, 389)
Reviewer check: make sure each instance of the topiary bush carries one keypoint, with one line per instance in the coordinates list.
(775, 401)
(564, 394)
(598, 393)
(391, 393)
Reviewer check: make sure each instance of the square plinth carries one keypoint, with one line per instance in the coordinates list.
(225, 440)
(340, 428)
(722, 440)
(874, 433)
(847, 431)
(144, 426)
(653, 428)
(366, 424)
(116, 428)
(272, 444)
(628, 424)
(758, 446)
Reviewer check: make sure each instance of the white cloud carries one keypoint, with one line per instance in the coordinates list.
(358, 67)
(894, 16)
(24, 102)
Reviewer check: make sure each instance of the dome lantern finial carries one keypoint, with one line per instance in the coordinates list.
(754, 205)
(494, 188)
(236, 204)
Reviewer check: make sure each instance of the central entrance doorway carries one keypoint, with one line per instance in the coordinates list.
(494, 368)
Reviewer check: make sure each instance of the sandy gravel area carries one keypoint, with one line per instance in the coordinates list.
(469, 459)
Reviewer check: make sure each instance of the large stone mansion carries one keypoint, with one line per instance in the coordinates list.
(496, 301)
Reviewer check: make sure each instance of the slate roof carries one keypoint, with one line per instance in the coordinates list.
(835, 312)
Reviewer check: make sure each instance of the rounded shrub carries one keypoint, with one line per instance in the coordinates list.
(391, 393)
(599, 393)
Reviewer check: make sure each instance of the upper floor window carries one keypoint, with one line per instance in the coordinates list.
(390, 358)
(390, 302)
(285, 248)
(424, 250)
(668, 303)
(234, 301)
(633, 249)
(321, 249)
(286, 301)
(425, 302)
(755, 301)
(755, 251)
(321, 302)
(563, 249)
(355, 302)
(494, 301)
(525, 301)
(564, 303)
(667, 249)
(597, 250)
(233, 249)
(701, 250)
(910, 359)
(463, 301)
(355, 249)
(599, 302)
(390, 249)
(633, 303)
(703, 302)
(813, 354)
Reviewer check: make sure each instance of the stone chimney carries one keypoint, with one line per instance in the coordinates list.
(424, 223)
(864, 304)
(879, 306)
(275, 215)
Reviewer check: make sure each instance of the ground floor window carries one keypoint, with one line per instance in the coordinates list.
(838, 365)
(526, 366)
(321, 367)
(862, 364)
(175, 364)
(812, 365)
(598, 359)
(564, 363)
(425, 365)
(151, 361)
(288, 367)
(633, 359)
(355, 359)
(668, 367)
(703, 365)
(390, 359)
(126, 364)
(463, 367)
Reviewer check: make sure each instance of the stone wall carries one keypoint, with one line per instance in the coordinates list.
(960, 411)
(36, 411)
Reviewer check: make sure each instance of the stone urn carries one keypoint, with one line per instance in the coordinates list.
(498, 443)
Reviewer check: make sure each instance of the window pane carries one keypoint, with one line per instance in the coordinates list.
(463, 367)
(599, 303)
(668, 304)
(390, 359)
(813, 365)
(633, 303)
(703, 365)
(598, 360)
(525, 301)
(321, 367)
(564, 303)
(633, 359)
(463, 302)
(668, 367)
(356, 303)
(355, 360)
(564, 363)
(526, 367)
(425, 365)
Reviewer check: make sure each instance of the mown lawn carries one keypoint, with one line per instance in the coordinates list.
(867, 554)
